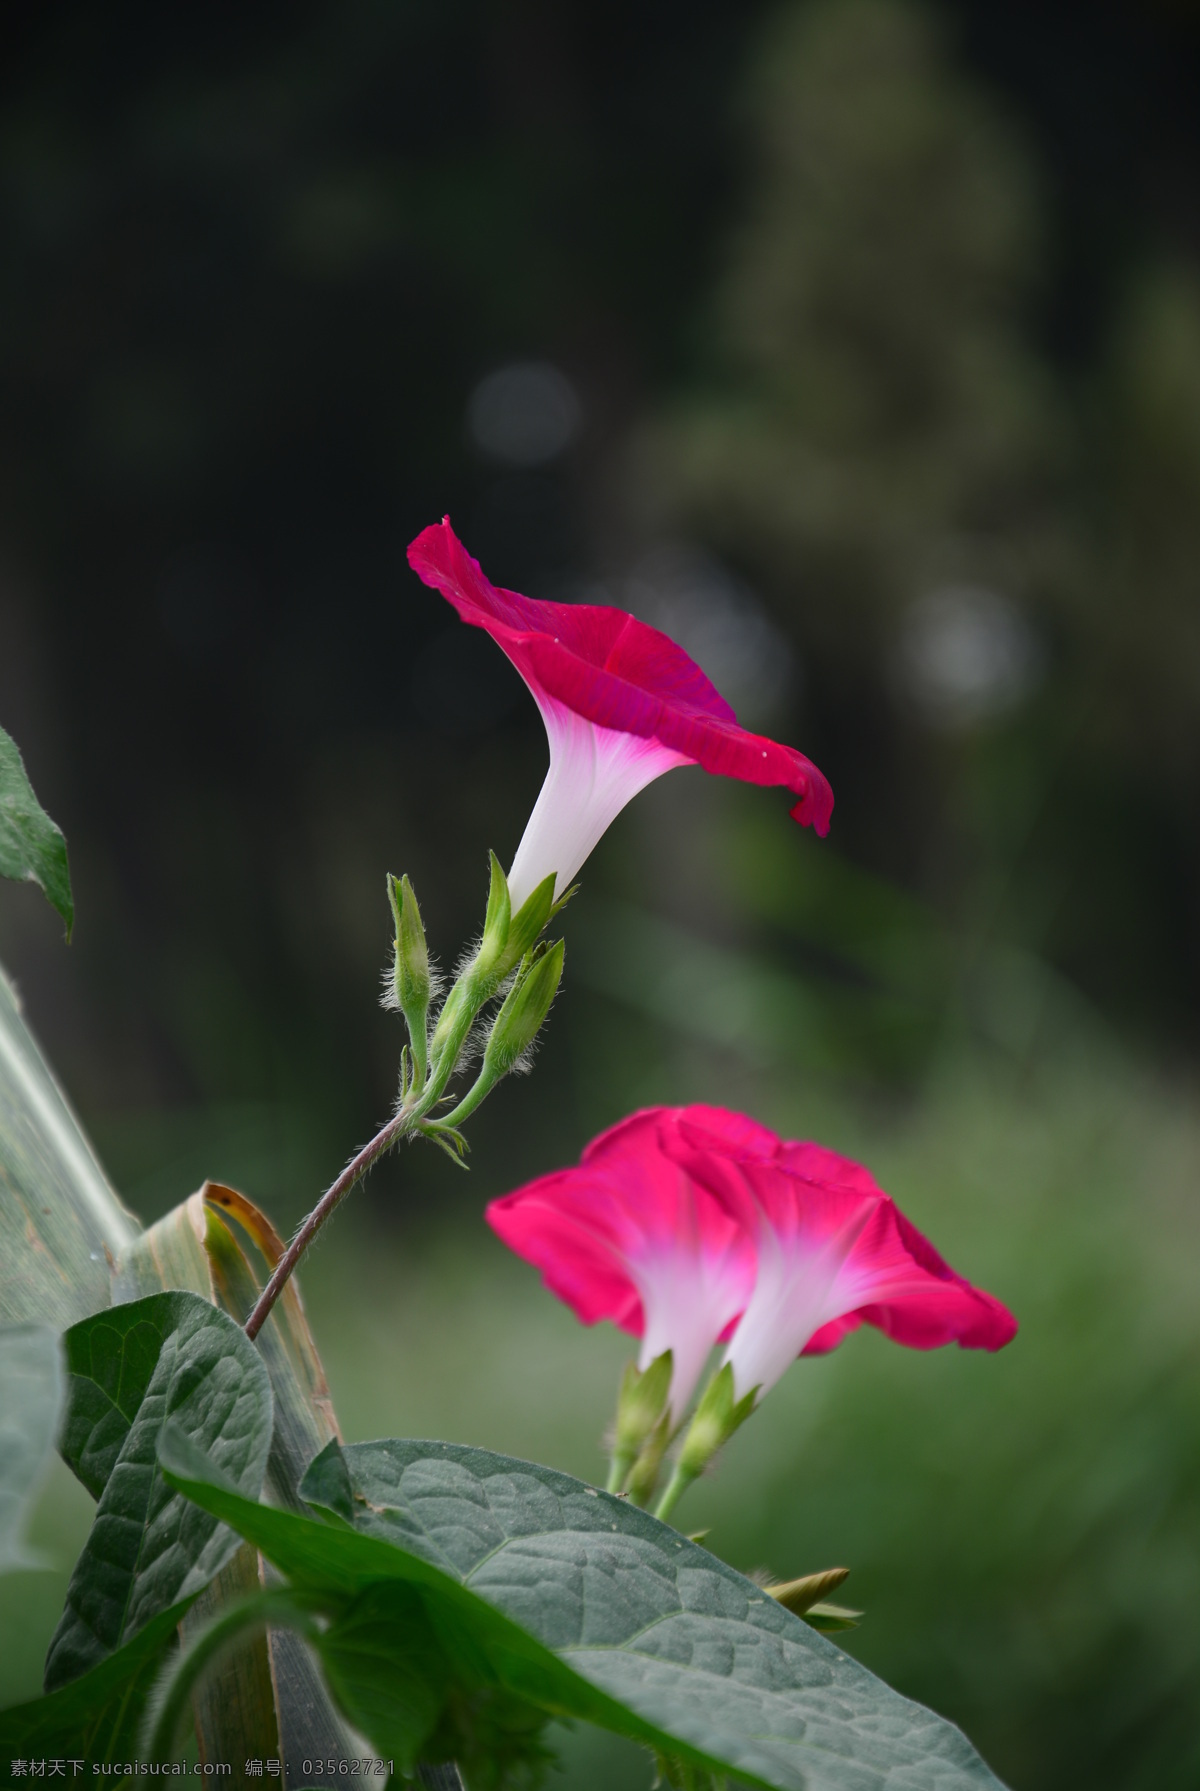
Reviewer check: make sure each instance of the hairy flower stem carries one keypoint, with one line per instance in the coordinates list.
(502, 950)
(463, 1005)
(353, 1172)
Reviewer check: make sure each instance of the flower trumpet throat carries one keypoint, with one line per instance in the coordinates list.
(626, 1236)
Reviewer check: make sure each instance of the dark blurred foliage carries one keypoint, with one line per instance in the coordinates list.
(987, 549)
(255, 264)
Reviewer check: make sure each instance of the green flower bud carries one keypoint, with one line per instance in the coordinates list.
(410, 975)
(513, 1030)
(525, 1007)
(491, 956)
(799, 1596)
(643, 1475)
(477, 982)
(831, 1618)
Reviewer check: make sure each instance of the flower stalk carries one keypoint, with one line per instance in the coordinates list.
(329, 1201)
(509, 943)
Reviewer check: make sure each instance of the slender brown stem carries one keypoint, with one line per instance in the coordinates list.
(353, 1172)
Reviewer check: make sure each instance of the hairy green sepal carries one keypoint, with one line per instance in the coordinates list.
(411, 981)
(641, 1409)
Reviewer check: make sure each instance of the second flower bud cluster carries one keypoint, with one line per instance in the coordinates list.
(511, 963)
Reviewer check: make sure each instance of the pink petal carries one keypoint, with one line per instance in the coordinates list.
(618, 673)
(628, 1237)
(569, 1230)
(718, 1130)
(827, 1337)
(680, 1219)
(834, 1251)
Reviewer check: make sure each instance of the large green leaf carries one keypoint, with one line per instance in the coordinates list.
(470, 1652)
(32, 849)
(61, 1224)
(238, 1239)
(657, 1622)
(30, 1395)
(219, 1245)
(584, 1606)
(97, 1717)
(170, 1357)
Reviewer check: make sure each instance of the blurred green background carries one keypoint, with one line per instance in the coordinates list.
(856, 343)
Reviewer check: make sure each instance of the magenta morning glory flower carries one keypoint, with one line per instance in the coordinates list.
(832, 1251)
(688, 1225)
(621, 703)
(630, 1236)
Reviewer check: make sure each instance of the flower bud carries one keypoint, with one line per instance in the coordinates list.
(491, 956)
(642, 1477)
(410, 975)
(525, 1007)
(513, 1030)
(799, 1596)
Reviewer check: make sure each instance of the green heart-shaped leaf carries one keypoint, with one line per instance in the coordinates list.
(584, 1606)
(171, 1357)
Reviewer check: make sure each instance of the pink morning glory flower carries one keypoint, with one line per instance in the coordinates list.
(629, 1236)
(832, 1250)
(621, 703)
(688, 1226)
